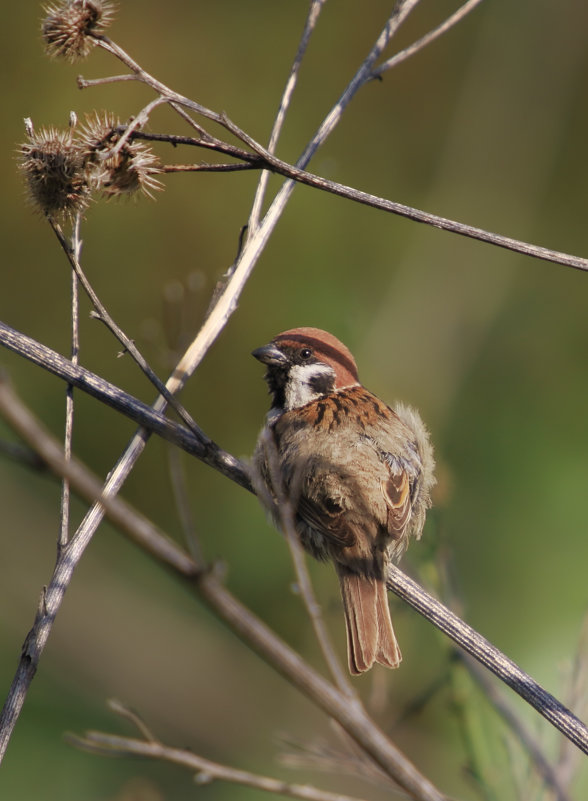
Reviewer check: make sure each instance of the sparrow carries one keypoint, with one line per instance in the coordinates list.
(356, 473)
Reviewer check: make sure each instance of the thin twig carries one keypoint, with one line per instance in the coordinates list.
(205, 770)
(297, 173)
(151, 417)
(200, 130)
(324, 757)
(310, 24)
(273, 164)
(85, 83)
(418, 215)
(208, 142)
(76, 245)
(171, 168)
(427, 39)
(127, 343)
(133, 717)
(139, 119)
(48, 454)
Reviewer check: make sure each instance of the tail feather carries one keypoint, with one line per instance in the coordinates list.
(370, 635)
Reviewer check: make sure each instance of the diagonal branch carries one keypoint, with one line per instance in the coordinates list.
(193, 442)
(267, 161)
(489, 656)
(49, 455)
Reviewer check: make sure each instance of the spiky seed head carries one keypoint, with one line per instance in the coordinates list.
(70, 27)
(121, 172)
(52, 163)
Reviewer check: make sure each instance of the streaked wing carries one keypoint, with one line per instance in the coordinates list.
(397, 496)
(327, 518)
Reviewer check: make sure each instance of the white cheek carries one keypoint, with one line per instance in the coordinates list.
(299, 389)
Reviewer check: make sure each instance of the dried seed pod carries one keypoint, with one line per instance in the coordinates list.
(53, 164)
(70, 27)
(117, 172)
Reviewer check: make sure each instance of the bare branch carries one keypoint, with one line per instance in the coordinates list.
(171, 168)
(311, 21)
(417, 215)
(49, 454)
(133, 717)
(102, 314)
(425, 40)
(140, 119)
(76, 246)
(198, 444)
(205, 770)
(489, 656)
(269, 162)
(85, 83)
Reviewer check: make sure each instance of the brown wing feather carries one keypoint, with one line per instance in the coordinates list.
(397, 495)
(327, 518)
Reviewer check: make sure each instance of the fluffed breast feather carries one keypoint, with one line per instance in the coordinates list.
(375, 478)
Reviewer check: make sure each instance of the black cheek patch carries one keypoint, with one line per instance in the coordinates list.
(322, 383)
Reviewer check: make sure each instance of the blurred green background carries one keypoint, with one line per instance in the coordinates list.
(487, 126)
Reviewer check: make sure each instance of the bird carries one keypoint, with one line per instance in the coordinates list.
(356, 473)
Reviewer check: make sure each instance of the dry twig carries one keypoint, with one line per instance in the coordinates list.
(205, 770)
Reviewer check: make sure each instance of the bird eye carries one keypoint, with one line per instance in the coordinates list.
(305, 353)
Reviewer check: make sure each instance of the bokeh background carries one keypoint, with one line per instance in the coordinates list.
(487, 126)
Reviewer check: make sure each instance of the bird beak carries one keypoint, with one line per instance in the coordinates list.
(270, 355)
